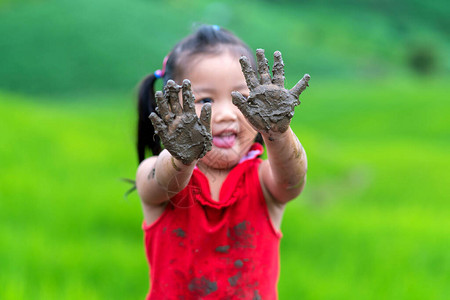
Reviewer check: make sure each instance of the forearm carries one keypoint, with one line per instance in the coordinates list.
(160, 180)
(287, 160)
(171, 174)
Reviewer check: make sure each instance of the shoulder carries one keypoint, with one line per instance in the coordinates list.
(146, 171)
(145, 167)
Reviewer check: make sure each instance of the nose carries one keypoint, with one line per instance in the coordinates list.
(225, 111)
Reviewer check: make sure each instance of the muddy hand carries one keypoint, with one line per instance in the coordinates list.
(183, 134)
(269, 107)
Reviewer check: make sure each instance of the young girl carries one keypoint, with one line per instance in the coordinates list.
(212, 208)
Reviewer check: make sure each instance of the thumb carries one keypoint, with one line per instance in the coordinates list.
(240, 101)
(205, 116)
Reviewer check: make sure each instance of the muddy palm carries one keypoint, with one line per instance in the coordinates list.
(269, 107)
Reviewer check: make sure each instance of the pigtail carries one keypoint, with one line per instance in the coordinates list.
(146, 137)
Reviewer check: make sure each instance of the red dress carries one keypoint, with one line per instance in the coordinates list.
(205, 249)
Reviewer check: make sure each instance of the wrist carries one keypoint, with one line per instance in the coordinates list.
(171, 163)
(180, 165)
(273, 136)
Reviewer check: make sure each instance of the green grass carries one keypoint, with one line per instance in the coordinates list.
(66, 232)
(59, 47)
(372, 222)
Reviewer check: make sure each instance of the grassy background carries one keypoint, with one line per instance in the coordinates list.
(371, 224)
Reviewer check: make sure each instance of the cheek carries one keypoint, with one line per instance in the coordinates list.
(246, 127)
(251, 135)
(248, 135)
(198, 109)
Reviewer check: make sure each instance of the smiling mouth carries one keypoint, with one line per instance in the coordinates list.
(224, 140)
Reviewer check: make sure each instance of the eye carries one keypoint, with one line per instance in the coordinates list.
(204, 100)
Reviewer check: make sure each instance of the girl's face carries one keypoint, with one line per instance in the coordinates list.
(213, 78)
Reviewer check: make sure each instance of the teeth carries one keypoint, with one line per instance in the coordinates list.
(227, 134)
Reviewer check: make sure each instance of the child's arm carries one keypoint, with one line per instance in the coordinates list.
(186, 138)
(284, 173)
(159, 178)
(269, 109)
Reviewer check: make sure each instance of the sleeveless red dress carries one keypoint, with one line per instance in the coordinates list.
(205, 249)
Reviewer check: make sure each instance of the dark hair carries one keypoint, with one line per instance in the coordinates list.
(208, 39)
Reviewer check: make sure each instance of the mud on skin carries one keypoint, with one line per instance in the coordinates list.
(269, 107)
(182, 133)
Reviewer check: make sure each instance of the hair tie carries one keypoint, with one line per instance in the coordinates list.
(160, 73)
(216, 27)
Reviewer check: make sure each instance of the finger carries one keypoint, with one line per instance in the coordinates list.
(158, 124)
(263, 67)
(300, 86)
(205, 116)
(249, 74)
(278, 69)
(163, 107)
(239, 101)
(171, 91)
(188, 97)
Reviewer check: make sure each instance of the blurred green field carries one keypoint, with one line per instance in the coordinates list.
(373, 221)
(59, 47)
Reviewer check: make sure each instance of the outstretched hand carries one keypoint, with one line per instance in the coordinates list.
(269, 107)
(183, 134)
